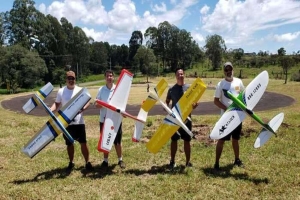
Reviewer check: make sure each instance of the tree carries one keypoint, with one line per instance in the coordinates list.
(286, 63)
(263, 53)
(146, 59)
(20, 22)
(215, 47)
(281, 51)
(238, 54)
(2, 34)
(99, 57)
(22, 68)
(135, 42)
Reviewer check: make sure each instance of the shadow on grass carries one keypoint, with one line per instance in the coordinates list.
(101, 172)
(164, 169)
(225, 172)
(58, 173)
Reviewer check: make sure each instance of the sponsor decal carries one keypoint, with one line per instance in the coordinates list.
(224, 127)
(254, 91)
(108, 138)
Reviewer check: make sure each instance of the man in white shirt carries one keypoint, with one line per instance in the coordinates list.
(104, 94)
(235, 86)
(77, 127)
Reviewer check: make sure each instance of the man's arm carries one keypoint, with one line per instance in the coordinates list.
(99, 98)
(55, 106)
(218, 103)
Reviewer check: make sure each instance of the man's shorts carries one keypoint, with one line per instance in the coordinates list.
(183, 135)
(118, 138)
(77, 131)
(235, 134)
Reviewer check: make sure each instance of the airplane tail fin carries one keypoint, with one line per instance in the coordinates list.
(42, 93)
(145, 108)
(265, 134)
(143, 113)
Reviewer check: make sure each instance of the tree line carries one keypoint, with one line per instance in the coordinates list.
(37, 48)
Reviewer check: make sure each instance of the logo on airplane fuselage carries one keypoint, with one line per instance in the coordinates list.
(224, 127)
(108, 138)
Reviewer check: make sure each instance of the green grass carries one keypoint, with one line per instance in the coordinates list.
(272, 172)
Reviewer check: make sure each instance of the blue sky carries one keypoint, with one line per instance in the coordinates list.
(253, 25)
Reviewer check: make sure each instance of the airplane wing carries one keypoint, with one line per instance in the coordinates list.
(51, 129)
(228, 122)
(147, 105)
(254, 91)
(110, 129)
(192, 95)
(42, 93)
(161, 136)
(183, 108)
(120, 96)
(113, 119)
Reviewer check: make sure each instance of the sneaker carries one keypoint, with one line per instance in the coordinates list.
(70, 166)
(172, 165)
(104, 164)
(88, 166)
(189, 164)
(121, 164)
(238, 163)
(216, 166)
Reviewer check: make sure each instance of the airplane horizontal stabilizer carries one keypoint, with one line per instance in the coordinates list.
(42, 93)
(265, 134)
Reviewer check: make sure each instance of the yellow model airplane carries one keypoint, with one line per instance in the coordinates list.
(176, 116)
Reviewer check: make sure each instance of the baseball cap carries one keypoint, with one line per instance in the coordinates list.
(228, 64)
(70, 73)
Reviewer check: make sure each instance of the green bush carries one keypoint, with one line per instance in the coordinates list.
(295, 77)
(149, 122)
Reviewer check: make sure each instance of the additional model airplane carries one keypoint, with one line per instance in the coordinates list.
(56, 124)
(115, 111)
(243, 104)
(176, 116)
(145, 108)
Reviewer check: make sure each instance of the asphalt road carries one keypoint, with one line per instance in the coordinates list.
(268, 101)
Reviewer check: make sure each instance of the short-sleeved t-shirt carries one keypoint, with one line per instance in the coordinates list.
(176, 92)
(63, 96)
(104, 94)
(235, 87)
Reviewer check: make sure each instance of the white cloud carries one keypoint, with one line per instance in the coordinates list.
(123, 16)
(42, 8)
(204, 10)
(162, 8)
(241, 19)
(119, 22)
(286, 37)
(173, 2)
(198, 37)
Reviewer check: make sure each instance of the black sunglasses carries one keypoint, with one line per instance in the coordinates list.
(70, 78)
(228, 70)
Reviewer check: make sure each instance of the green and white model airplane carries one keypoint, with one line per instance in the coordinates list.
(243, 104)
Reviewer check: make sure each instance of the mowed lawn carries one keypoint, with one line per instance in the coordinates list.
(271, 172)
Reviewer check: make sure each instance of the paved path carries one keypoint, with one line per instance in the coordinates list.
(268, 101)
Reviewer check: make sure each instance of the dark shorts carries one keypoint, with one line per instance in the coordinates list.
(118, 138)
(235, 134)
(77, 132)
(183, 135)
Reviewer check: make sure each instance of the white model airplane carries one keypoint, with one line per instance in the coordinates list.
(56, 124)
(176, 116)
(115, 111)
(244, 104)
